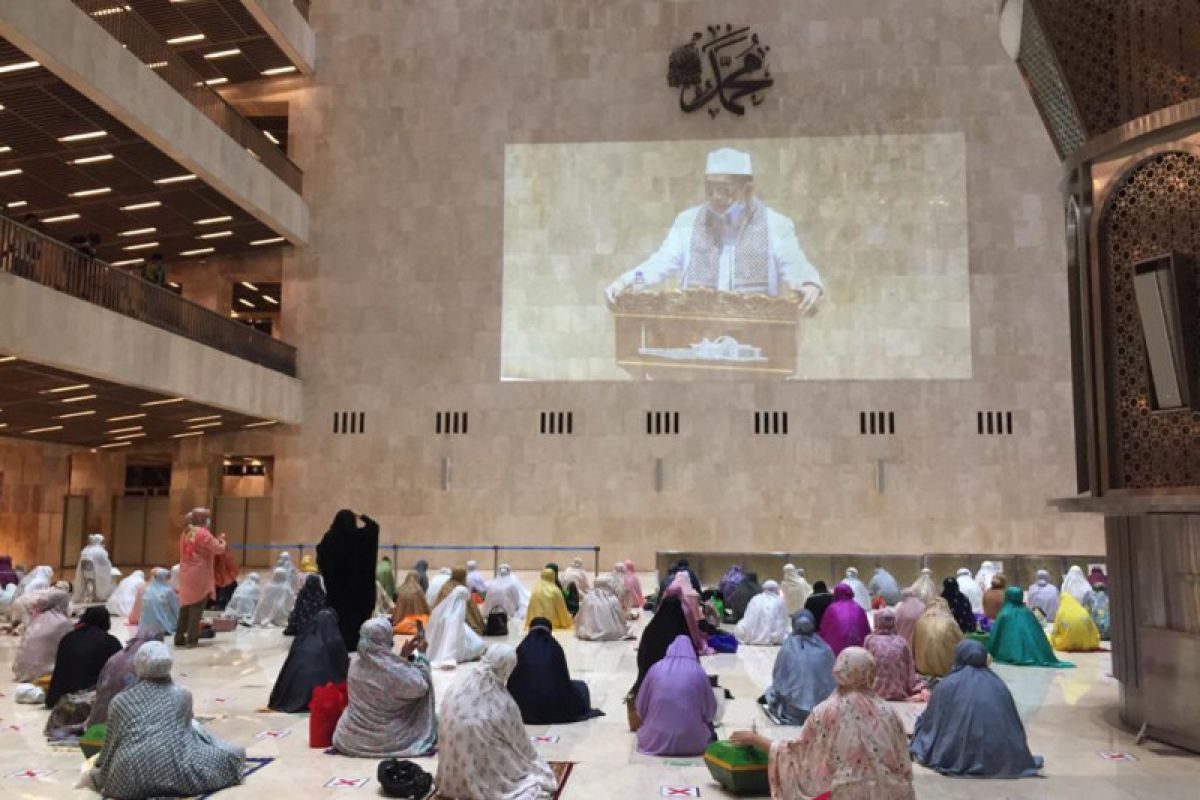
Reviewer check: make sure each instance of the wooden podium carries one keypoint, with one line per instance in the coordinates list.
(705, 334)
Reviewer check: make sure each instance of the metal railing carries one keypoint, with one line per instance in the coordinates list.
(28, 254)
(152, 50)
(393, 550)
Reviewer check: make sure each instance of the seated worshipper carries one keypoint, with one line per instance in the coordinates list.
(120, 602)
(317, 656)
(385, 575)
(547, 601)
(693, 578)
(733, 576)
(390, 713)
(160, 604)
(245, 599)
(971, 727)
(310, 600)
(575, 575)
(747, 588)
(384, 604)
(1099, 611)
(118, 674)
(633, 587)
(276, 602)
(451, 639)
(458, 577)
(435, 586)
(844, 623)
(601, 617)
(308, 564)
(983, 578)
(295, 577)
(883, 585)
(924, 588)
(934, 637)
(81, 654)
(422, 570)
(570, 593)
(476, 581)
(38, 578)
(484, 752)
(47, 625)
(803, 673)
(861, 595)
(93, 573)
(959, 605)
(1076, 584)
(852, 746)
(818, 602)
(153, 746)
(7, 573)
(681, 587)
(502, 602)
(1074, 631)
(895, 672)
(225, 578)
(541, 684)
(1017, 637)
(667, 623)
(796, 590)
(993, 598)
(1043, 595)
(907, 613)
(970, 590)
(766, 621)
(410, 602)
(676, 705)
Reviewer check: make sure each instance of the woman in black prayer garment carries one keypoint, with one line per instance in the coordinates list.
(81, 655)
(346, 560)
(735, 609)
(541, 684)
(318, 656)
(310, 600)
(960, 605)
(818, 601)
(667, 623)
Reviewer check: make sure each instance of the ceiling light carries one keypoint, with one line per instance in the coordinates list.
(93, 159)
(91, 192)
(8, 173)
(5, 149)
(3, 424)
(278, 70)
(176, 179)
(142, 246)
(191, 37)
(215, 235)
(198, 252)
(137, 232)
(233, 51)
(125, 430)
(45, 430)
(156, 64)
(271, 136)
(16, 204)
(126, 436)
(19, 65)
(274, 240)
(184, 435)
(203, 419)
(168, 401)
(75, 388)
(141, 206)
(78, 399)
(270, 299)
(108, 12)
(261, 424)
(207, 425)
(75, 414)
(115, 444)
(250, 286)
(213, 220)
(129, 262)
(127, 416)
(174, 285)
(245, 302)
(81, 137)
(7, 359)
(216, 81)
(61, 218)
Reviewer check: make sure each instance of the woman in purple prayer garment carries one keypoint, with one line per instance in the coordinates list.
(676, 704)
(844, 623)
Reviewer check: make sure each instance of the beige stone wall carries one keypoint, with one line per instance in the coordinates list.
(33, 483)
(396, 306)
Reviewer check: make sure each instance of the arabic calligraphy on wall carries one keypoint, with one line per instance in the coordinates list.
(718, 68)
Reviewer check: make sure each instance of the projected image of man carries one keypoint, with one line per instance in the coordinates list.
(732, 243)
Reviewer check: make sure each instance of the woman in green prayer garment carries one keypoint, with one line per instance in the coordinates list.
(1018, 638)
(386, 577)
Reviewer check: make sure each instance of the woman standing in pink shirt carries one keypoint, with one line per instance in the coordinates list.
(197, 549)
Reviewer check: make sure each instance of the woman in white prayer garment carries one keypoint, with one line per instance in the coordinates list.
(796, 590)
(245, 599)
(983, 578)
(101, 585)
(451, 640)
(504, 594)
(971, 589)
(601, 616)
(766, 621)
(1076, 584)
(121, 601)
(276, 602)
(862, 595)
(435, 586)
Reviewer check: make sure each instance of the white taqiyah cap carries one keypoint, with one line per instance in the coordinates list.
(728, 161)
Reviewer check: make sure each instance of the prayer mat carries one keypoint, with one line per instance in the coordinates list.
(561, 770)
(253, 764)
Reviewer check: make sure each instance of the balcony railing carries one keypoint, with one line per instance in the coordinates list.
(32, 256)
(152, 50)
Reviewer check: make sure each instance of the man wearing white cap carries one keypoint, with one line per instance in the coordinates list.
(732, 243)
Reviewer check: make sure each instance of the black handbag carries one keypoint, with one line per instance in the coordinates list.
(404, 779)
(497, 624)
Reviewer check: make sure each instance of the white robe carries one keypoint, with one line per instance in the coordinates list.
(101, 571)
(276, 602)
(1076, 585)
(862, 595)
(504, 594)
(601, 616)
(971, 589)
(575, 575)
(983, 578)
(38, 578)
(122, 599)
(245, 600)
(435, 586)
(766, 621)
(796, 590)
(451, 640)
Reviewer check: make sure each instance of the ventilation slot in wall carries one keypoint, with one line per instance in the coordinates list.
(660, 423)
(349, 422)
(558, 422)
(448, 422)
(771, 423)
(877, 423)
(994, 423)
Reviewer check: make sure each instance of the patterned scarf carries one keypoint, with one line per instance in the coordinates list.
(750, 254)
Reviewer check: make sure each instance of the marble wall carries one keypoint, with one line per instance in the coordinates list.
(33, 483)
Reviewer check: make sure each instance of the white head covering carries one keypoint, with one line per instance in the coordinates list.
(245, 599)
(766, 620)
(971, 589)
(435, 585)
(983, 578)
(38, 578)
(102, 568)
(277, 600)
(122, 599)
(451, 640)
(153, 661)
(504, 594)
(861, 594)
(728, 161)
(601, 616)
(1076, 584)
(796, 590)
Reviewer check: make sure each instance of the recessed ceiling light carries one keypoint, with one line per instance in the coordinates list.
(173, 285)
(233, 51)
(270, 299)
(198, 252)
(7, 359)
(176, 179)
(73, 388)
(127, 416)
(115, 444)
(19, 65)
(75, 414)
(129, 262)
(16, 204)
(137, 232)
(271, 136)
(274, 240)
(83, 137)
(142, 246)
(45, 430)
(3, 424)
(141, 206)
(262, 424)
(168, 401)
(126, 436)
(278, 70)
(108, 12)
(215, 235)
(184, 435)
(78, 399)
(206, 425)
(216, 81)
(93, 159)
(125, 430)
(250, 286)
(213, 220)
(5, 149)
(245, 302)
(156, 64)
(91, 192)
(191, 37)
(61, 218)
(8, 173)
(203, 419)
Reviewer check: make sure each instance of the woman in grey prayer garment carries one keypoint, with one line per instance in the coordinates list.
(803, 675)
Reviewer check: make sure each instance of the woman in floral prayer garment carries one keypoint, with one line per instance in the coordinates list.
(895, 672)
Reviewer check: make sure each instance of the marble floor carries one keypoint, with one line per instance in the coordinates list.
(1070, 716)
